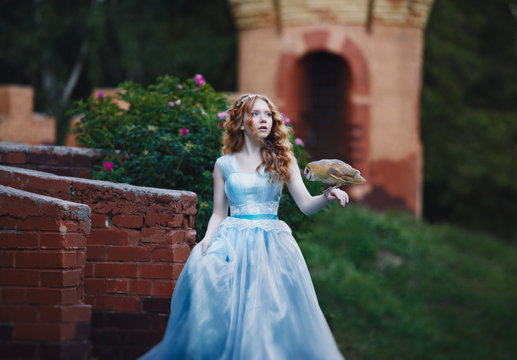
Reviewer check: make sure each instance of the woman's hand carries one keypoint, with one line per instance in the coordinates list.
(335, 193)
(205, 243)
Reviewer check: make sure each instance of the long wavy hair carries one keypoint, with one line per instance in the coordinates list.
(276, 149)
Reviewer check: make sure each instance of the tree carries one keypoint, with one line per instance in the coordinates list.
(64, 49)
(469, 115)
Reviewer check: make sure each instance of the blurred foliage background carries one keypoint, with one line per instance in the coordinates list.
(66, 48)
(469, 115)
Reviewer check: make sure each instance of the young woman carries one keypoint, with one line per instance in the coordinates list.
(245, 291)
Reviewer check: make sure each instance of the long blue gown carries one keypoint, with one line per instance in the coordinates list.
(251, 296)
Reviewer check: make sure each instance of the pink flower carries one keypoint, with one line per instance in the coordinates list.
(107, 165)
(299, 141)
(171, 103)
(222, 115)
(182, 108)
(200, 80)
(178, 102)
(184, 131)
(287, 121)
(100, 94)
(180, 87)
(212, 175)
(221, 124)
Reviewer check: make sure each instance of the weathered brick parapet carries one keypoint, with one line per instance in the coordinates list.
(140, 239)
(59, 160)
(42, 260)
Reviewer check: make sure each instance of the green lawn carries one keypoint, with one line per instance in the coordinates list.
(396, 288)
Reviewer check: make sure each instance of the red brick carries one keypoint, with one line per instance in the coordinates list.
(52, 296)
(15, 313)
(44, 223)
(47, 259)
(128, 253)
(44, 331)
(177, 236)
(61, 278)
(140, 287)
(59, 241)
(162, 254)
(118, 302)
(154, 235)
(114, 270)
(16, 158)
(7, 258)
(128, 221)
(156, 271)
(18, 240)
(117, 286)
(162, 288)
(7, 222)
(153, 219)
(71, 226)
(176, 221)
(66, 313)
(19, 277)
(177, 268)
(133, 237)
(96, 252)
(107, 237)
(14, 295)
(81, 258)
(181, 253)
(94, 286)
(190, 237)
(89, 269)
(90, 300)
(98, 221)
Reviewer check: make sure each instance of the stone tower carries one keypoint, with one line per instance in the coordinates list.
(348, 74)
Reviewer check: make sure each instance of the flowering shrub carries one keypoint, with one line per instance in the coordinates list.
(169, 137)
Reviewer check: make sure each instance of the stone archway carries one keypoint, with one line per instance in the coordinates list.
(353, 130)
(323, 98)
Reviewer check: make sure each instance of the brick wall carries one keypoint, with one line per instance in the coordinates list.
(139, 240)
(59, 160)
(18, 122)
(42, 260)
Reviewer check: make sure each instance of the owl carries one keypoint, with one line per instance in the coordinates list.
(332, 171)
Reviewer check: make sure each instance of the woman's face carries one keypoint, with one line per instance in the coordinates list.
(261, 119)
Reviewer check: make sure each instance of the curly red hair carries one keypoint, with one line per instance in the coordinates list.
(276, 149)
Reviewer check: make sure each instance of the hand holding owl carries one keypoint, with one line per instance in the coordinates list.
(335, 172)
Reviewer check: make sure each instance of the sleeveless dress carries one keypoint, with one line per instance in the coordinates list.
(251, 296)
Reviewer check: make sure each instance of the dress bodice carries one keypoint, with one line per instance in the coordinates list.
(248, 193)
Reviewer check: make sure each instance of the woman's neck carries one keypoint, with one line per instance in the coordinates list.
(251, 146)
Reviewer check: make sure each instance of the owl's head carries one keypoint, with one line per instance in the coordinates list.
(307, 172)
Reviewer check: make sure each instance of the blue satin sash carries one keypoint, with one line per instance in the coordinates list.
(257, 217)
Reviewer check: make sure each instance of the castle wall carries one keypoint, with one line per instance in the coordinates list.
(384, 96)
(137, 244)
(42, 261)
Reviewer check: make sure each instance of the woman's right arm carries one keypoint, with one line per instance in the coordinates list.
(220, 210)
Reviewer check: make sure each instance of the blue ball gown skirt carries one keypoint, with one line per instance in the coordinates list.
(251, 295)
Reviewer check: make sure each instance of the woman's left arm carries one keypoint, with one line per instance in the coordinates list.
(307, 203)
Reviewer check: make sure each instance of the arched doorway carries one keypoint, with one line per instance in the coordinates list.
(323, 99)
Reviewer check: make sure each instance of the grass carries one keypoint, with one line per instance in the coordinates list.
(393, 287)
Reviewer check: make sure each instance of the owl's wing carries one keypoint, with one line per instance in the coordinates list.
(341, 173)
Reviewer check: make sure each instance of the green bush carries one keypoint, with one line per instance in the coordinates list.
(169, 137)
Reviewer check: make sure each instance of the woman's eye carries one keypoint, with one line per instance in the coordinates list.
(254, 114)
(269, 114)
